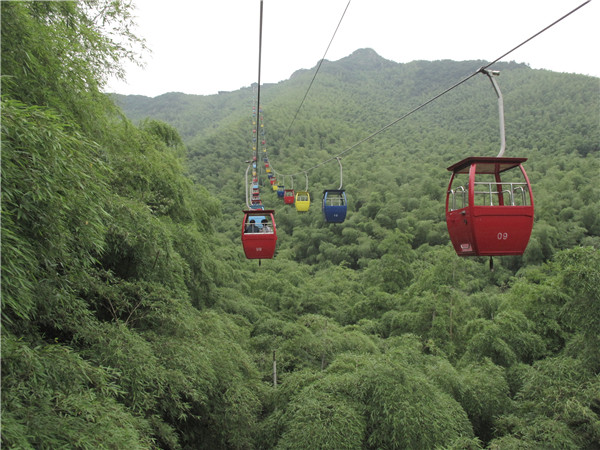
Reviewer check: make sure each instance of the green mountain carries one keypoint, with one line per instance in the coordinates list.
(131, 319)
(399, 174)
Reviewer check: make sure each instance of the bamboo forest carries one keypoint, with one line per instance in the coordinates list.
(132, 318)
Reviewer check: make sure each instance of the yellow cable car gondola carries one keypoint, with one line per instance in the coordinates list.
(303, 198)
(302, 201)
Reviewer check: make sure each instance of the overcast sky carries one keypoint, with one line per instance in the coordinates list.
(202, 46)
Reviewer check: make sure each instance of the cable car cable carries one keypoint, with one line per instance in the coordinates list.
(389, 125)
(258, 245)
(537, 34)
(256, 118)
(318, 67)
(480, 70)
(259, 55)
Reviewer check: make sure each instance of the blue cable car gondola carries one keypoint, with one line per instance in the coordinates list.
(334, 205)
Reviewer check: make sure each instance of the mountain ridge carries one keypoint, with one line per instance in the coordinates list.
(193, 114)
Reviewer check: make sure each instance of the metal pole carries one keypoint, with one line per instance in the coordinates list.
(491, 74)
(340, 163)
(274, 370)
(259, 56)
(247, 169)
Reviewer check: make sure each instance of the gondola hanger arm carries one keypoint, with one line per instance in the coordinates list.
(492, 74)
(339, 160)
(247, 170)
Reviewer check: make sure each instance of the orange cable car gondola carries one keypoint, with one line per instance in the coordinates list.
(489, 203)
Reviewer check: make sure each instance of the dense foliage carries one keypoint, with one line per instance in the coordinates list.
(130, 318)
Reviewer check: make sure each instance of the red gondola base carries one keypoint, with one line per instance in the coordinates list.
(487, 215)
(259, 235)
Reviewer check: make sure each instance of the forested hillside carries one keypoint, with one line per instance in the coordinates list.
(131, 319)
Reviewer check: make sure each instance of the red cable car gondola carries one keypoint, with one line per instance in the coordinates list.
(259, 235)
(489, 207)
(489, 204)
(288, 196)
